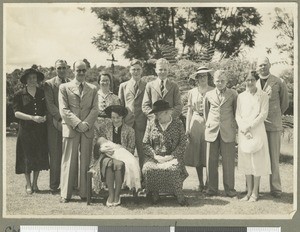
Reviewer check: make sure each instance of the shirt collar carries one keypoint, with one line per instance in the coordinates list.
(134, 81)
(223, 91)
(159, 81)
(78, 83)
(165, 126)
(103, 95)
(264, 77)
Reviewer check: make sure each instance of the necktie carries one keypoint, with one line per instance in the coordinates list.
(136, 86)
(80, 88)
(162, 87)
(221, 94)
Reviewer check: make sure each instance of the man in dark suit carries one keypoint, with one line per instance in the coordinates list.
(278, 104)
(220, 132)
(162, 89)
(51, 89)
(78, 106)
(131, 95)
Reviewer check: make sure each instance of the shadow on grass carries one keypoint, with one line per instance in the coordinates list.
(194, 198)
(286, 198)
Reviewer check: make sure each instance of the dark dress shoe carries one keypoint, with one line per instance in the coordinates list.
(64, 200)
(183, 202)
(231, 194)
(83, 198)
(210, 193)
(155, 198)
(54, 191)
(276, 194)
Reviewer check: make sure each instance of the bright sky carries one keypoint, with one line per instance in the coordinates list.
(41, 34)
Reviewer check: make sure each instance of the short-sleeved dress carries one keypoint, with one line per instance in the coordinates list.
(252, 110)
(195, 154)
(32, 148)
(171, 141)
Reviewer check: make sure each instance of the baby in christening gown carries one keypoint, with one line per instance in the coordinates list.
(132, 175)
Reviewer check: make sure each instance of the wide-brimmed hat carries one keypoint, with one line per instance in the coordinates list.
(160, 105)
(203, 69)
(120, 110)
(40, 76)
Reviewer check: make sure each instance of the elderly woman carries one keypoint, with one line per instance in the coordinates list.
(164, 146)
(195, 155)
(253, 151)
(30, 109)
(110, 169)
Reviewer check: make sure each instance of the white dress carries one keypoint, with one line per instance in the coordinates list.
(252, 110)
(132, 175)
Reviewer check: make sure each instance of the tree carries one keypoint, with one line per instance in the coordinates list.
(284, 23)
(145, 31)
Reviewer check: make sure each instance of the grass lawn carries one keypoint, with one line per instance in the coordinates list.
(44, 204)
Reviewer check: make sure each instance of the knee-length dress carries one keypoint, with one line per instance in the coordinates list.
(32, 148)
(195, 154)
(171, 141)
(252, 110)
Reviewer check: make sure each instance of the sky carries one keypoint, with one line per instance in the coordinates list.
(42, 33)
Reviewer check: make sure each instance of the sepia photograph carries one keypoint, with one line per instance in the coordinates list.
(150, 110)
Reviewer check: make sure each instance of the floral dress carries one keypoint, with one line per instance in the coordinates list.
(171, 141)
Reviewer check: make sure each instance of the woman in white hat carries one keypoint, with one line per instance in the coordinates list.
(253, 150)
(195, 155)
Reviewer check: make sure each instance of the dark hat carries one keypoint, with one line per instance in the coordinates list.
(120, 110)
(160, 105)
(40, 76)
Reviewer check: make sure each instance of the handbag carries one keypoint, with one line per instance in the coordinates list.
(252, 145)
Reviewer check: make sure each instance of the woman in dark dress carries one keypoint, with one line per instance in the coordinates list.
(30, 110)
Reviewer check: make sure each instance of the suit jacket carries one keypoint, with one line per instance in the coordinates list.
(220, 116)
(278, 101)
(133, 102)
(75, 108)
(153, 93)
(51, 89)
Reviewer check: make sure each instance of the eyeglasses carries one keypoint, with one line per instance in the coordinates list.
(81, 70)
(61, 68)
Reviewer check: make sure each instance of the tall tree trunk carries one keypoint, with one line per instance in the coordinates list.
(173, 25)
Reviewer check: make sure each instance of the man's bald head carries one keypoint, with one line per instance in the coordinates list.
(263, 66)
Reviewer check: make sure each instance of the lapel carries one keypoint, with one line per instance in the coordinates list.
(56, 81)
(123, 135)
(156, 86)
(86, 89)
(168, 87)
(130, 87)
(141, 88)
(74, 88)
(268, 85)
(227, 94)
(214, 97)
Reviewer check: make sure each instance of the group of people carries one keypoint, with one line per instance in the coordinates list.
(84, 129)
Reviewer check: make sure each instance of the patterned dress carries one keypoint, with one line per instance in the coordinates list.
(171, 141)
(195, 154)
(32, 146)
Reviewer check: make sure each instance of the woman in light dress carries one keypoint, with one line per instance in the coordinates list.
(195, 155)
(253, 150)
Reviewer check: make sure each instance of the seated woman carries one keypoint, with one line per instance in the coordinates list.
(132, 176)
(164, 145)
(112, 170)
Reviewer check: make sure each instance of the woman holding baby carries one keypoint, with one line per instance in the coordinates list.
(253, 151)
(110, 168)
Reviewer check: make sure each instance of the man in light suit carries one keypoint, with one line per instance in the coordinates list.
(162, 89)
(54, 127)
(278, 104)
(219, 112)
(131, 95)
(78, 106)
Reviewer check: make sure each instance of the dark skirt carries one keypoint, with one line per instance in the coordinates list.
(32, 149)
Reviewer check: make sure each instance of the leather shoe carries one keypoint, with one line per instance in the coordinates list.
(117, 203)
(83, 198)
(28, 189)
(183, 202)
(54, 191)
(231, 194)
(276, 194)
(108, 204)
(210, 193)
(64, 200)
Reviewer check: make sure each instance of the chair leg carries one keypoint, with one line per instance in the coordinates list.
(89, 187)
